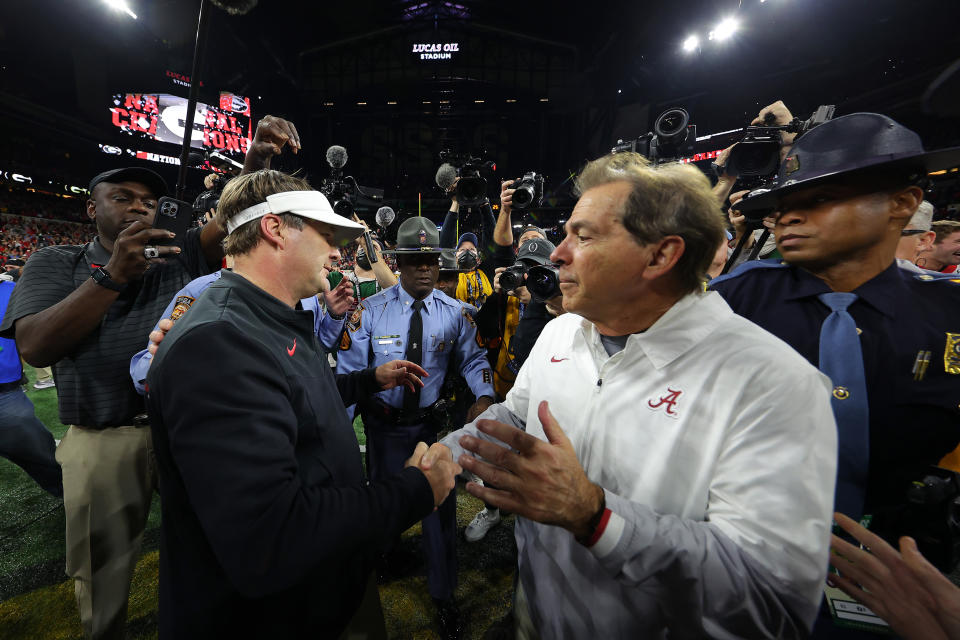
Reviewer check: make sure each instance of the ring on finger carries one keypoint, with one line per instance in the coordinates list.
(151, 252)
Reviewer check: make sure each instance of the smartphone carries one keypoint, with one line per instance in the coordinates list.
(173, 215)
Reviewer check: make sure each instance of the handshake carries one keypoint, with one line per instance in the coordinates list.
(436, 463)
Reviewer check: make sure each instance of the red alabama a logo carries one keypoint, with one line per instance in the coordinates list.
(669, 400)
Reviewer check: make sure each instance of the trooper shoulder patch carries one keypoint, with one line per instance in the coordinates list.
(467, 311)
(180, 307)
(356, 318)
(951, 354)
(345, 341)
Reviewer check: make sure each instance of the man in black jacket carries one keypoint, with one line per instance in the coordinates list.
(269, 529)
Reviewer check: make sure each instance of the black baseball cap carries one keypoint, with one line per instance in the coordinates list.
(858, 143)
(151, 179)
(536, 250)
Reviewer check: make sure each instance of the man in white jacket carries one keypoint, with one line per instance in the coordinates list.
(672, 464)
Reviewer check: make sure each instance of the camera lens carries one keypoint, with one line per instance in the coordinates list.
(343, 208)
(671, 125)
(523, 196)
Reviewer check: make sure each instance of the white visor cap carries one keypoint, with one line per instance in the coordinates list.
(309, 204)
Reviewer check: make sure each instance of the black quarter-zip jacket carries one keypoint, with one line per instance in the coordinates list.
(269, 527)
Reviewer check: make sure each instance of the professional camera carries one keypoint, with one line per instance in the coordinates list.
(529, 190)
(340, 190)
(930, 514)
(341, 195)
(543, 281)
(672, 138)
(512, 278)
(756, 158)
(210, 198)
(472, 187)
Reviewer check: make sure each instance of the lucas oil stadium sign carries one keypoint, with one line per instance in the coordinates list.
(436, 50)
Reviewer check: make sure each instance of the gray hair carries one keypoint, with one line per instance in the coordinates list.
(667, 199)
(922, 217)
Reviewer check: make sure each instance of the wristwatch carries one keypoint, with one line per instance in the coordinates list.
(102, 277)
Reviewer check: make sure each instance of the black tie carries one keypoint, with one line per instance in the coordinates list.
(411, 399)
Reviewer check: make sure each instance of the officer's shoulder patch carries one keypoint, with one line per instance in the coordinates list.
(180, 307)
(345, 341)
(749, 266)
(355, 320)
(467, 311)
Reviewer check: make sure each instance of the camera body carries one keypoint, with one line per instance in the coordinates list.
(512, 278)
(755, 159)
(930, 514)
(210, 198)
(471, 187)
(672, 138)
(341, 193)
(528, 190)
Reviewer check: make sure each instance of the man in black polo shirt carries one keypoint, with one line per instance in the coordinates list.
(85, 310)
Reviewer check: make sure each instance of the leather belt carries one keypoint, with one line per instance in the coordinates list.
(380, 410)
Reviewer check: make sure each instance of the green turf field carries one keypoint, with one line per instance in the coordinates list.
(36, 598)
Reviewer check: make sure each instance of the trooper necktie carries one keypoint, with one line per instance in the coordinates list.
(411, 399)
(842, 360)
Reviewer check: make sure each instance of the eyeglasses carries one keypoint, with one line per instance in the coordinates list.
(912, 232)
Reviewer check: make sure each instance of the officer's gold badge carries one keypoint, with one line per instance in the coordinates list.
(951, 355)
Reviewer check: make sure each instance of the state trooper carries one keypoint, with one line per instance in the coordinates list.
(428, 327)
(888, 338)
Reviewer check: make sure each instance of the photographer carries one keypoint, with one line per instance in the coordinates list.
(478, 262)
(842, 198)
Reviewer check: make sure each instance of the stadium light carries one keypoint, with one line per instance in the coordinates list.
(726, 28)
(120, 5)
(691, 43)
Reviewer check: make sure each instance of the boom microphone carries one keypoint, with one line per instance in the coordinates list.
(385, 215)
(446, 176)
(336, 156)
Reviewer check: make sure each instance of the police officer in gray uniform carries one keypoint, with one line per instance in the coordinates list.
(424, 325)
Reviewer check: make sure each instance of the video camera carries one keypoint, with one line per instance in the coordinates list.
(756, 158)
(472, 187)
(672, 138)
(529, 190)
(210, 198)
(340, 190)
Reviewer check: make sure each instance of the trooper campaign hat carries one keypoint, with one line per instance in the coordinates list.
(859, 143)
(417, 235)
(448, 261)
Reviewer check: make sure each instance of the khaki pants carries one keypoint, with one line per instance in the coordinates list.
(43, 373)
(109, 476)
